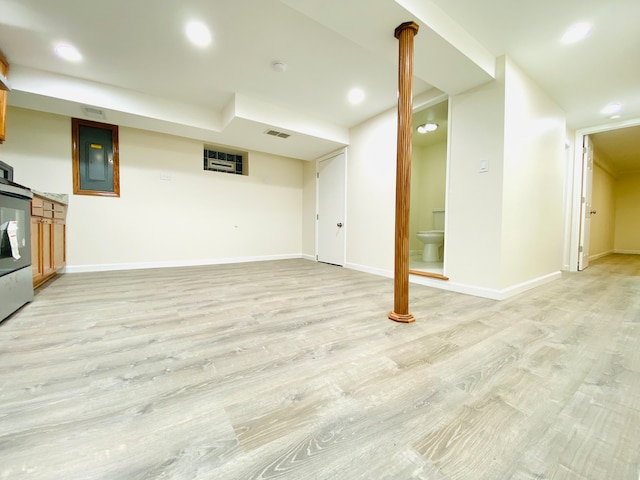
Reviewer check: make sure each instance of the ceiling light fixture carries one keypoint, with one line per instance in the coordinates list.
(68, 52)
(356, 96)
(612, 108)
(427, 127)
(279, 66)
(576, 32)
(198, 33)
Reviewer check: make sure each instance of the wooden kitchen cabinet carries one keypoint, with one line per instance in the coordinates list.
(48, 239)
(59, 244)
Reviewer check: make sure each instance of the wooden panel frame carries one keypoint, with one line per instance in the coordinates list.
(76, 123)
(4, 70)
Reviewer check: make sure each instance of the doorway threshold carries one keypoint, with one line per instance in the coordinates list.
(439, 276)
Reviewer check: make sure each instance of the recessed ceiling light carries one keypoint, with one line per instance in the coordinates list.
(68, 52)
(577, 32)
(610, 109)
(427, 127)
(198, 34)
(613, 117)
(356, 96)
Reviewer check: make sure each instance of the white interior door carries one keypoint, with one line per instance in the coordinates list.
(585, 209)
(331, 210)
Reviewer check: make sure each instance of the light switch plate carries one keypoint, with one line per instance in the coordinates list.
(484, 166)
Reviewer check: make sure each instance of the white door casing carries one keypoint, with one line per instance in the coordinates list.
(331, 209)
(586, 207)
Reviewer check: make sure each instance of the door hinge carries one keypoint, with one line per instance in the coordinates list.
(316, 258)
(580, 249)
(318, 216)
(584, 199)
(317, 174)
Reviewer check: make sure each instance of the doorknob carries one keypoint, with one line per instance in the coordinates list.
(340, 225)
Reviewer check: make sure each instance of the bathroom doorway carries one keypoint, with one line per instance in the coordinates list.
(428, 189)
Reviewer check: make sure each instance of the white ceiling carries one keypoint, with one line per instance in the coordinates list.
(140, 69)
(619, 149)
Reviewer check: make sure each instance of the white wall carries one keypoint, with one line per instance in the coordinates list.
(601, 240)
(195, 217)
(428, 188)
(371, 190)
(309, 210)
(505, 229)
(415, 200)
(474, 200)
(627, 226)
(534, 174)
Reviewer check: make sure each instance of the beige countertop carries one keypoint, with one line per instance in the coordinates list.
(54, 197)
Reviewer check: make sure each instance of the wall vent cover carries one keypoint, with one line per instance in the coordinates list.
(227, 162)
(94, 112)
(275, 133)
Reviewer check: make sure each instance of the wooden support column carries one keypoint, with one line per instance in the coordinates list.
(404, 33)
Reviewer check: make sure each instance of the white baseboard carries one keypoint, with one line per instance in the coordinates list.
(309, 257)
(367, 269)
(600, 255)
(529, 284)
(627, 252)
(491, 293)
(462, 288)
(175, 263)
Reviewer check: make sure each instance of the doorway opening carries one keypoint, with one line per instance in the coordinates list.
(605, 223)
(427, 213)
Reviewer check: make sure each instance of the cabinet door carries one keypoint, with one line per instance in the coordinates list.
(59, 244)
(37, 269)
(47, 246)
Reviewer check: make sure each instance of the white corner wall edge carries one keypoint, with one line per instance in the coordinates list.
(176, 263)
(462, 288)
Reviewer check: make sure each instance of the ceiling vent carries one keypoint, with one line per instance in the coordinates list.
(94, 112)
(275, 133)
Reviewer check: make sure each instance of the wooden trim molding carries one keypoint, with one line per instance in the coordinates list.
(76, 123)
(405, 34)
(4, 70)
(420, 273)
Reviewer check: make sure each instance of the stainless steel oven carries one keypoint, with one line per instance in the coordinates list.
(16, 284)
(6, 171)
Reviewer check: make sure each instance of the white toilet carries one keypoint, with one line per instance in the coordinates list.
(433, 239)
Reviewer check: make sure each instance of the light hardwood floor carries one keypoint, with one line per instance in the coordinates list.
(291, 370)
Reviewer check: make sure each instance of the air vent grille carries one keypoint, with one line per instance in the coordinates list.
(93, 112)
(227, 162)
(275, 133)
